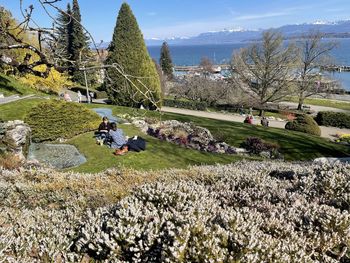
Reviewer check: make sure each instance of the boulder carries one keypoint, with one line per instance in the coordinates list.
(15, 137)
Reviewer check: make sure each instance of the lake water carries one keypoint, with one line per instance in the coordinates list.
(221, 54)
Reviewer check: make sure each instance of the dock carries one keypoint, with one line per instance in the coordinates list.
(198, 68)
(339, 68)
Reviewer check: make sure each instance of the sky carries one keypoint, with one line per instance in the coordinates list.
(183, 18)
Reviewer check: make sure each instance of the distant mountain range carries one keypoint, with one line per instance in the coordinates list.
(340, 29)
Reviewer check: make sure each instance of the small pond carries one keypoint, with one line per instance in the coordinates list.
(106, 112)
(59, 156)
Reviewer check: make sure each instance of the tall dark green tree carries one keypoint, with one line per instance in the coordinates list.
(80, 45)
(64, 47)
(165, 61)
(139, 81)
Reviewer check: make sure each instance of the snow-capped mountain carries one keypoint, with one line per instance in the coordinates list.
(338, 29)
(226, 36)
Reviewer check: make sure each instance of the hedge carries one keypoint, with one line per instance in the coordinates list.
(185, 104)
(59, 119)
(304, 123)
(334, 119)
(98, 94)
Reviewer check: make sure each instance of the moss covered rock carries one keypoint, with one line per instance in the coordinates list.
(304, 123)
(58, 119)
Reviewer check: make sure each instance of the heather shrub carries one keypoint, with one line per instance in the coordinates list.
(334, 119)
(246, 212)
(256, 145)
(243, 212)
(10, 161)
(304, 123)
(59, 119)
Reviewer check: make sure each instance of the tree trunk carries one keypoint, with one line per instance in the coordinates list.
(261, 113)
(301, 102)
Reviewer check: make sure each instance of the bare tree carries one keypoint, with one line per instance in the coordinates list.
(206, 66)
(203, 90)
(263, 70)
(313, 54)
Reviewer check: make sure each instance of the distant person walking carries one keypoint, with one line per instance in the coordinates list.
(66, 96)
(79, 96)
(264, 122)
(91, 96)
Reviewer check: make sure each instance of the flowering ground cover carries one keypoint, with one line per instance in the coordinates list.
(243, 212)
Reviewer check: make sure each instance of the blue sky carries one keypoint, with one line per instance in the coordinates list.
(168, 18)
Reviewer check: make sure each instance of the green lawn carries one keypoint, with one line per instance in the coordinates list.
(295, 146)
(158, 155)
(323, 102)
(10, 86)
(17, 110)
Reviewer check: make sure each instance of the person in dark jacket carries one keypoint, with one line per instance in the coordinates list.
(122, 144)
(103, 129)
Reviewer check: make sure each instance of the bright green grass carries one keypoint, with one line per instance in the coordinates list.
(294, 146)
(323, 102)
(18, 109)
(158, 155)
(10, 86)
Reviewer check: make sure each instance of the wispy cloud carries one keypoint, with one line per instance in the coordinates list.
(260, 16)
(151, 13)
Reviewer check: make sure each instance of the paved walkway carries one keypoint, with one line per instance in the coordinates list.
(326, 132)
(13, 98)
(313, 107)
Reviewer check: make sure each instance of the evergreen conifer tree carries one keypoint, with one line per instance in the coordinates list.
(129, 52)
(165, 61)
(64, 39)
(79, 41)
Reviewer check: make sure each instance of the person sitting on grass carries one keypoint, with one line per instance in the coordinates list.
(123, 145)
(118, 139)
(103, 129)
(249, 119)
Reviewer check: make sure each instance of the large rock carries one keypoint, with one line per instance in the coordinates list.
(15, 137)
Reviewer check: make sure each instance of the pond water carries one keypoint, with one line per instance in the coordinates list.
(108, 113)
(59, 156)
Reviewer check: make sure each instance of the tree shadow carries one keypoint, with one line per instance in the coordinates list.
(5, 85)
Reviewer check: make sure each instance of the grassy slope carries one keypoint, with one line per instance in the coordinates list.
(294, 145)
(158, 155)
(10, 86)
(324, 102)
(17, 110)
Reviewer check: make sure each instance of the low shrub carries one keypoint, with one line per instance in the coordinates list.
(59, 119)
(100, 95)
(10, 161)
(256, 145)
(304, 123)
(259, 212)
(334, 119)
(185, 104)
(343, 138)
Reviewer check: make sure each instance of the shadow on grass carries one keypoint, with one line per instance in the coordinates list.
(7, 85)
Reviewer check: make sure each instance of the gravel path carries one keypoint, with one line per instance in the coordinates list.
(326, 132)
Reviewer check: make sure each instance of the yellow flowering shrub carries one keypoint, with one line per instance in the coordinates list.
(52, 84)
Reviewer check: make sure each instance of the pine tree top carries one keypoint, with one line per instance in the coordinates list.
(76, 10)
